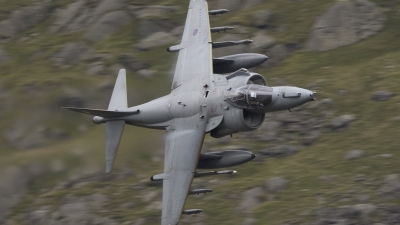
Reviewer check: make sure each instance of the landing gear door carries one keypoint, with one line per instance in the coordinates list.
(213, 122)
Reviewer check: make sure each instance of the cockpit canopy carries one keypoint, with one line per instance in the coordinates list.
(251, 96)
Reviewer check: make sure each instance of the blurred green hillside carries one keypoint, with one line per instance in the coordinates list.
(52, 161)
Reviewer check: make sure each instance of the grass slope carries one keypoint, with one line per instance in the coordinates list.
(360, 69)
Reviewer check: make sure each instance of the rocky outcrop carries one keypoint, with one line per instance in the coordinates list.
(104, 18)
(95, 68)
(88, 178)
(83, 14)
(251, 3)
(15, 183)
(130, 62)
(280, 151)
(250, 199)
(262, 19)
(24, 19)
(71, 98)
(98, 20)
(249, 221)
(234, 5)
(72, 210)
(71, 54)
(276, 54)
(261, 42)
(147, 27)
(108, 6)
(31, 136)
(154, 19)
(12, 188)
(341, 122)
(65, 17)
(155, 12)
(155, 40)
(354, 154)
(147, 74)
(391, 186)
(382, 96)
(18, 137)
(345, 23)
(276, 184)
(358, 214)
(107, 25)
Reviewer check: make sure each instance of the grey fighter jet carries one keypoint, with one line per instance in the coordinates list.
(200, 102)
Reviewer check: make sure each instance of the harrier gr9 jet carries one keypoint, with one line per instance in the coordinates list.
(200, 102)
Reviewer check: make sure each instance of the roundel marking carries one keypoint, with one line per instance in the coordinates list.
(195, 32)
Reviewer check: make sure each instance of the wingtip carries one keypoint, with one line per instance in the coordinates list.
(109, 165)
(122, 72)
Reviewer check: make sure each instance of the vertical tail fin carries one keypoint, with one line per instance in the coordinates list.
(114, 129)
(119, 99)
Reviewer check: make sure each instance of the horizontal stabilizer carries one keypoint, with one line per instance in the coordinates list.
(103, 113)
(230, 43)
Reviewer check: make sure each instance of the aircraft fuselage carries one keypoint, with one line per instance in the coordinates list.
(214, 101)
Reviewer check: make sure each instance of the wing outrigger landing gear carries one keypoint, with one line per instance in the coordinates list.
(208, 173)
(199, 191)
(192, 211)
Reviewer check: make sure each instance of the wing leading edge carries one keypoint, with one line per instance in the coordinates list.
(195, 49)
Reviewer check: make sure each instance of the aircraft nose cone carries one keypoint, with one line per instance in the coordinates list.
(294, 96)
(307, 95)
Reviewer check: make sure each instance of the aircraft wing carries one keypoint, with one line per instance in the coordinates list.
(195, 50)
(185, 136)
(184, 140)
